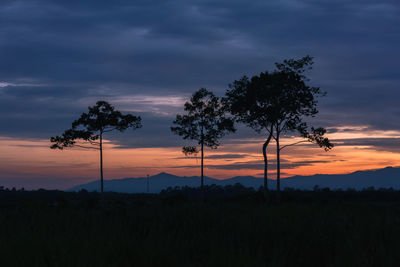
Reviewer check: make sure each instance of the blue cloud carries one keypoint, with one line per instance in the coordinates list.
(57, 56)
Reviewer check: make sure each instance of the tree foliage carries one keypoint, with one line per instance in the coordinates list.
(281, 97)
(101, 118)
(205, 120)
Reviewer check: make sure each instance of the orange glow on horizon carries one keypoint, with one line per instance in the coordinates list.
(34, 158)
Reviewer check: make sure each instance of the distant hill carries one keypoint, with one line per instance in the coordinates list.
(382, 178)
(161, 181)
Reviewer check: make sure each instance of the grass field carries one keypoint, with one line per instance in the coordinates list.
(307, 229)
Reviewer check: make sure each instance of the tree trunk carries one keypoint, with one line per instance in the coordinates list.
(202, 169)
(101, 164)
(266, 166)
(202, 162)
(278, 169)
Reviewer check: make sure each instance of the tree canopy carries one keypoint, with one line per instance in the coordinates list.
(205, 122)
(101, 118)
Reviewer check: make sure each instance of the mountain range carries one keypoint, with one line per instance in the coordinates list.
(388, 177)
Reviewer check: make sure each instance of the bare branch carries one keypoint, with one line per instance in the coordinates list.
(109, 130)
(94, 143)
(86, 147)
(303, 141)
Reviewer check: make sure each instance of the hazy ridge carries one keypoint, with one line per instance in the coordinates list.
(388, 177)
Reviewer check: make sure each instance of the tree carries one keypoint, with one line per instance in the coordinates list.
(248, 101)
(205, 122)
(88, 130)
(277, 102)
(294, 101)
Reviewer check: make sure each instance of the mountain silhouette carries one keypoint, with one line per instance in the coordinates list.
(388, 177)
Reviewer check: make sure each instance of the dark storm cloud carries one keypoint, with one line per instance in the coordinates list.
(380, 144)
(58, 57)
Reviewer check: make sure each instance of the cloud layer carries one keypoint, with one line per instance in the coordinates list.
(59, 56)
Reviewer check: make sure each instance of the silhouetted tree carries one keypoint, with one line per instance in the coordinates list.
(90, 128)
(277, 102)
(248, 102)
(295, 101)
(205, 122)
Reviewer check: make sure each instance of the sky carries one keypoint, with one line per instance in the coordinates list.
(147, 57)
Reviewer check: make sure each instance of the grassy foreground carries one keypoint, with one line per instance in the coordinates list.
(68, 229)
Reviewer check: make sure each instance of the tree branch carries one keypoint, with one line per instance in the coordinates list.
(93, 142)
(278, 131)
(110, 130)
(303, 141)
(86, 147)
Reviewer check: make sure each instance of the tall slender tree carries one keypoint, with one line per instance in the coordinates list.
(205, 122)
(249, 102)
(277, 103)
(88, 131)
(294, 101)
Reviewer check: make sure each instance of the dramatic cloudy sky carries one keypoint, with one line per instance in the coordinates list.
(147, 57)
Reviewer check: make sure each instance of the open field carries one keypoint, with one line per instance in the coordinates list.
(50, 228)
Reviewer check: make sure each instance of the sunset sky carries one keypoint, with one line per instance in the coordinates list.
(147, 58)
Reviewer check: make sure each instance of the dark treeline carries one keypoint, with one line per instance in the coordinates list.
(83, 198)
